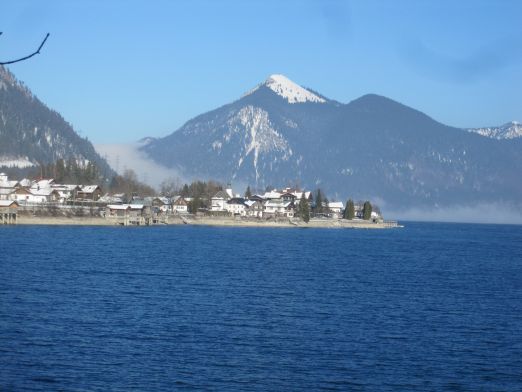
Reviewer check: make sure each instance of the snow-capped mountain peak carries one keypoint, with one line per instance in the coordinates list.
(289, 90)
(511, 130)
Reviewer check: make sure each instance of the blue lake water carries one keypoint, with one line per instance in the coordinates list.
(428, 307)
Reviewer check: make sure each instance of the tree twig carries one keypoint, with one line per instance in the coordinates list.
(26, 57)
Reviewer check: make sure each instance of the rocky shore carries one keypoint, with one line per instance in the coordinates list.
(211, 221)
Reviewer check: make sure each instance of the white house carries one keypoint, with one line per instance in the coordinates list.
(279, 207)
(180, 205)
(236, 206)
(254, 208)
(273, 194)
(5, 193)
(66, 191)
(89, 192)
(336, 208)
(45, 195)
(219, 201)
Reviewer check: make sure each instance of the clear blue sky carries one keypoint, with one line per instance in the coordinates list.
(122, 70)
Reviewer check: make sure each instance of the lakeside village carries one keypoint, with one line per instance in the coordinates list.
(26, 200)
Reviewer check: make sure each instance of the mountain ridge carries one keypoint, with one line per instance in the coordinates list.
(371, 147)
(33, 133)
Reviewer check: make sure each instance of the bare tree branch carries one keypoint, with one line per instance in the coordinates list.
(26, 57)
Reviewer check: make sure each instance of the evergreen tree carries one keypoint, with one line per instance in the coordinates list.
(367, 210)
(194, 205)
(349, 211)
(59, 170)
(318, 202)
(248, 193)
(326, 209)
(303, 210)
(185, 191)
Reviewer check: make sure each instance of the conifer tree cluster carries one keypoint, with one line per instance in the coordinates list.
(321, 202)
(248, 193)
(303, 209)
(69, 171)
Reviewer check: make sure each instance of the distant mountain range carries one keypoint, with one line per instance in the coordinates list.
(280, 133)
(32, 134)
(511, 130)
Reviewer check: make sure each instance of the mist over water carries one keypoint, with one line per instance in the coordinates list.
(122, 156)
(496, 213)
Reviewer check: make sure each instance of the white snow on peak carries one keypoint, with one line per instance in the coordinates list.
(289, 90)
(510, 130)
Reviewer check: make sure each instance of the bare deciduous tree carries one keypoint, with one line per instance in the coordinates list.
(28, 56)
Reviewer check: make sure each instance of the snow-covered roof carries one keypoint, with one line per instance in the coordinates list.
(65, 187)
(277, 203)
(89, 188)
(125, 206)
(336, 204)
(179, 201)
(221, 195)
(7, 203)
(118, 206)
(110, 199)
(9, 184)
(26, 182)
(236, 200)
(46, 183)
(272, 195)
(42, 191)
(164, 200)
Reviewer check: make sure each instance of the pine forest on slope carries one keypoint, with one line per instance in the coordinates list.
(31, 134)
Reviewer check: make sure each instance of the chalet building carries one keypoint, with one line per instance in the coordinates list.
(89, 192)
(287, 196)
(257, 198)
(20, 195)
(66, 191)
(219, 201)
(273, 194)
(236, 206)
(254, 208)
(5, 193)
(279, 208)
(35, 196)
(336, 209)
(117, 198)
(180, 205)
(160, 203)
(7, 187)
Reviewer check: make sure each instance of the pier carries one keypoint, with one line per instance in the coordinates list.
(8, 212)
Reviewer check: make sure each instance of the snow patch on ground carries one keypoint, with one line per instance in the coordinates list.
(510, 130)
(21, 162)
(260, 136)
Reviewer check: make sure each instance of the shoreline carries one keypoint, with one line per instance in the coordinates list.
(208, 221)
